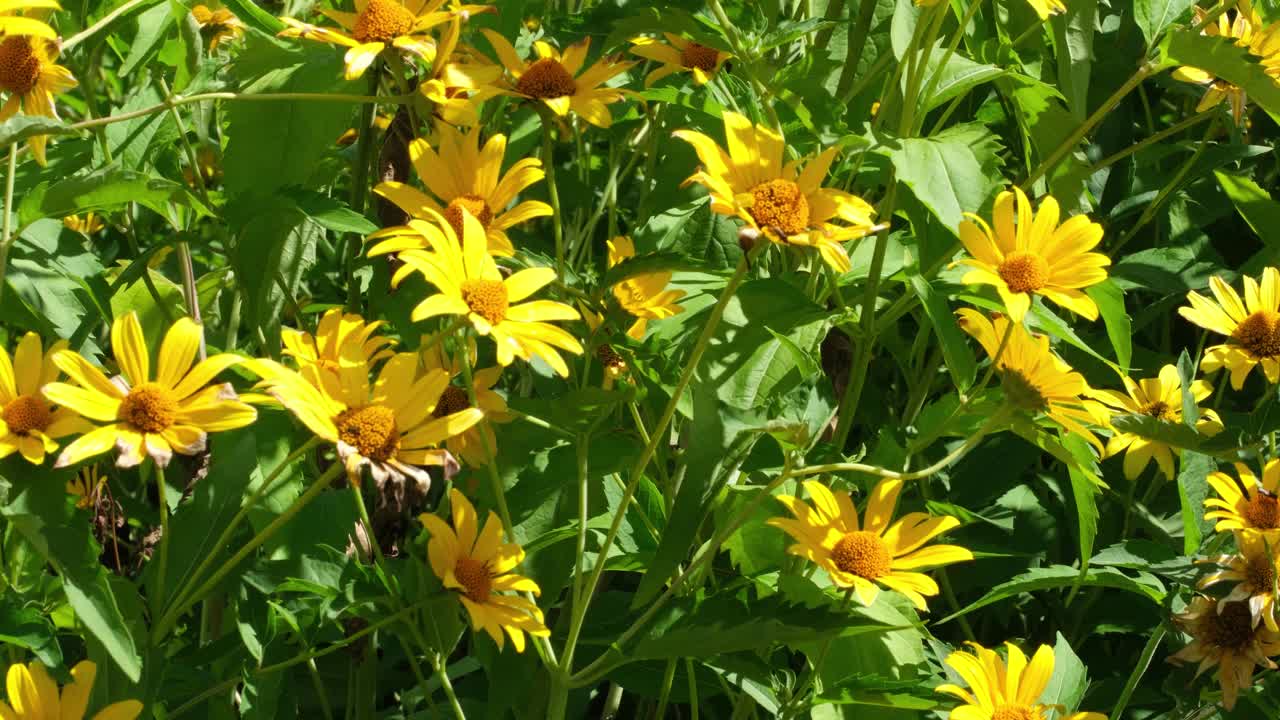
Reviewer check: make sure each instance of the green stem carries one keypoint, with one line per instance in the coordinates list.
(668, 677)
(857, 42)
(1155, 138)
(442, 671)
(106, 21)
(5, 239)
(1144, 661)
(162, 552)
(956, 37)
(790, 708)
(180, 99)
(360, 190)
(762, 93)
(553, 190)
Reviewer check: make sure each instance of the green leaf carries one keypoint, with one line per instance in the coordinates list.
(1057, 577)
(1193, 489)
(1258, 209)
(642, 264)
(956, 352)
(1075, 53)
(959, 76)
(130, 140)
(254, 16)
(1067, 685)
(273, 248)
(1226, 61)
(952, 172)
(1084, 491)
(1044, 319)
(693, 231)
(1110, 300)
(106, 189)
(22, 126)
(153, 24)
(28, 628)
(330, 213)
(1153, 16)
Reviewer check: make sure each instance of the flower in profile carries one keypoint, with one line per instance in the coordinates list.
(1160, 398)
(86, 486)
(30, 21)
(478, 564)
(1248, 505)
(469, 445)
(644, 295)
(386, 425)
(788, 204)
(471, 286)
(217, 24)
(377, 25)
(460, 80)
(327, 347)
(679, 55)
(558, 80)
(1253, 570)
(1252, 325)
(462, 177)
(87, 224)
(29, 72)
(28, 424)
(172, 410)
(1226, 636)
(33, 695)
(1240, 25)
(615, 366)
(875, 552)
(1024, 256)
(1033, 379)
(1000, 691)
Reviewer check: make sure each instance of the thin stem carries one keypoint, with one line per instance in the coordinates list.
(553, 190)
(1155, 138)
(1144, 661)
(668, 676)
(162, 553)
(857, 43)
(762, 93)
(180, 99)
(442, 671)
(789, 709)
(956, 37)
(5, 239)
(106, 21)
(360, 190)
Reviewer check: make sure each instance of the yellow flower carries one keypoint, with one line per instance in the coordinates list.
(789, 205)
(875, 552)
(1253, 326)
(615, 366)
(1046, 8)
(1225, 635)
(1241, 26)
(328, 346)
(1253, 570)
(89, 224)
(157, 415)
(1249, 504)
(1159, 398)
(644, 295)
(386, 425)
(478, 564)
(469, 445)
(33, 695)
(29, 73)
(86, 485)
(1033, 379)
(678, 55)
(217, 24)
(556, 80)
(30, 426)
(31, 22)
(1034, 256)
(378, 24)
(459, 81)
(1000, 691)
(471, 286)
(462, 177)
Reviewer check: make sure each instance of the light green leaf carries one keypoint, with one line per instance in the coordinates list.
(1110, 300)
(1056, 577)
(956, 351)
(1226, 61)
(951, 172)
(1153, 16)
(20, 127)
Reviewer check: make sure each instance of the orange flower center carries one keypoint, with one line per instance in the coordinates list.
(1160, 410)
(454, 399)
(610, 358)
(863, 554)
(473, 204)
(26, 413)
(19, 65)
(1262, 512)
(1014, 712)
(1021, 392)
(475, 577)
(1260, 334)
(546, 78)
(1230, 628)
(1024, 271)
(699, 56)
(371, 430)
(383, 21)
(149, 407)
(1261, 574)
(779, 204)
(486, 298)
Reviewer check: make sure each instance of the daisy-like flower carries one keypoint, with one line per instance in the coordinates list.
(1033, 379)
(217, 24)
(559, 81)
(327, 347)
(1226, 636)
(386, 425)
(33, 695)
(1239, 25)
(29, 72)
(30, 426)
(1000, 691)
(788, 204)
(1024, 255)
(469, 445)
(471, 286)
(172, 410)
(679, 55)
(462, 177)
(478, 564)
(32, 20)
(459, 80)
(645, 295)
(862, 556)
(377, 25)
(87, 224)
(1249, 504)
(86, 485)
(1159, 398)
(1253, 326)
(1253, 570)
